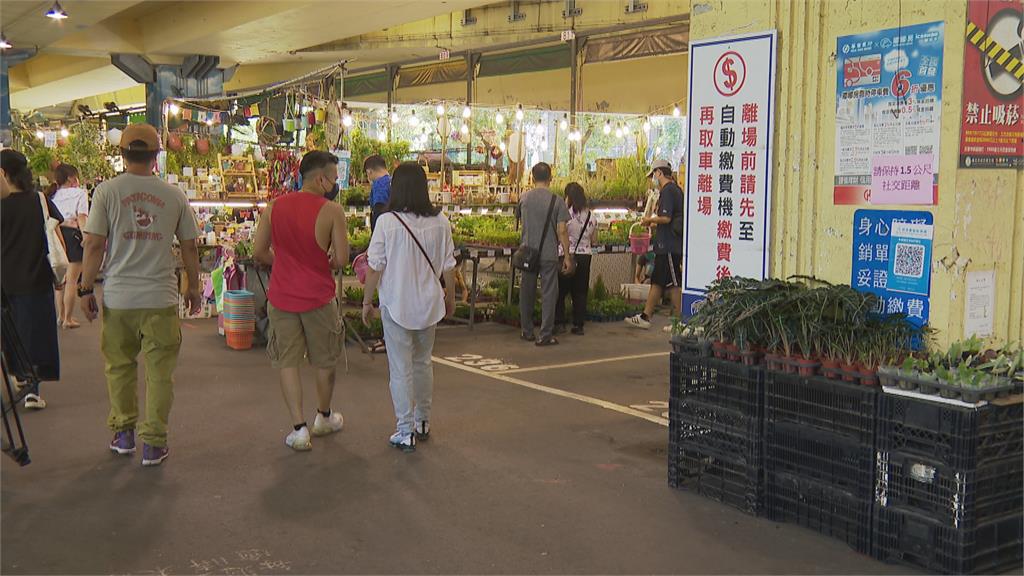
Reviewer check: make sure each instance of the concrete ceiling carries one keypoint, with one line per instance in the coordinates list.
(73, 55)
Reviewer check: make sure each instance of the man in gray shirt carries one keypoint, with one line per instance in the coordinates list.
(533, 210)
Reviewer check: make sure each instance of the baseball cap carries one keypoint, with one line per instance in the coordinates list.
(659, 164)
(141, 137)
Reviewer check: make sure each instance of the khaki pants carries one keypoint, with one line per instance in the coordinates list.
(317, 335)
(157, 333)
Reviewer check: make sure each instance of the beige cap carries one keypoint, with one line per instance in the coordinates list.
(144, 133)
(659, 164)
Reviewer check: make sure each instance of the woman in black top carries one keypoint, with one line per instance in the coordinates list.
(25, 275)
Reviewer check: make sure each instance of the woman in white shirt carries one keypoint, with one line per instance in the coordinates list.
(73, 203)
(410, 250)
(582, 231)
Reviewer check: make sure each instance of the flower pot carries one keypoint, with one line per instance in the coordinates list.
(849, 372)
(750, 357)
(830, 369)
(789, 364)
(927, 383)
(732, 352)
(719, 349)
(868, 377)
(806, 367)
(774, 362)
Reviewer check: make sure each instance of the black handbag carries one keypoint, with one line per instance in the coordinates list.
(526, 257)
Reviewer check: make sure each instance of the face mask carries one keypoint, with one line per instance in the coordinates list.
(331, 194)
(654, 182)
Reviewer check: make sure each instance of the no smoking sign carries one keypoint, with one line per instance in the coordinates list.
(730, 73)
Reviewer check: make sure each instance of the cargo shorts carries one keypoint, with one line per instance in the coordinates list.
(317, 335)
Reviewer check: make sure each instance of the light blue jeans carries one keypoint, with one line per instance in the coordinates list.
(411, 371)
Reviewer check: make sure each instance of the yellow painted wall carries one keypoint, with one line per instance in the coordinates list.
(980, 213)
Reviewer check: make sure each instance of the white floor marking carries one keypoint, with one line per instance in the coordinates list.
(556, 392)
(587, 362)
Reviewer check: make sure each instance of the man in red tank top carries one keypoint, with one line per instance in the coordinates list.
(304, 237)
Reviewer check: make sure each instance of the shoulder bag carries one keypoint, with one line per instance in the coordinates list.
(526, 257)
(57, 253)
(578, 240)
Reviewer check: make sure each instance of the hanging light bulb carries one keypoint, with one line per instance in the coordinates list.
(544, 145)
(413, 120)
(540, 127)
(464, 129)
(209, 122)
(499, 118)
(173, 109)
(501, 146)
(4, 44)
(440, 109)
(676, 111)
(40, 135)
(647, 125)
(57, 12)
(519, 112)
(466, 111)
(394, 116)
(64, 132)
(607, 127)
(382, 136)
(618, 132)
(564, 124)
(346, 120)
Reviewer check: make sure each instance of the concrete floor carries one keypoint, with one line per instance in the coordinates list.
(516, 479)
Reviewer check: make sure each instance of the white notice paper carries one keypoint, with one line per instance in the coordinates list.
(979, 307)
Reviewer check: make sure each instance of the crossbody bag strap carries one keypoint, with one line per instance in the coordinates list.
(547, 222)
(582, 232)
(418, 245)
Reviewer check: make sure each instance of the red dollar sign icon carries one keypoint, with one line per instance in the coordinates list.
(728, 71)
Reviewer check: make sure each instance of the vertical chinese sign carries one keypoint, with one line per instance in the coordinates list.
(888, 106)
(892, 260)
(992, 128)
(728, 161)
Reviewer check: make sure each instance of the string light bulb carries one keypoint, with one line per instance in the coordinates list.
(40, 135)
(676, 111)
(382, 136)
(647, 125)
(413, 120)
(564, 124)
(501, 146)
(519, 112)
(173, 109)
(346, 120)
(466, 111)
(607, 127)
(540, 127)
(499, 118)
(618, 132)
(440, 109)
(64, 132)
(464, 129)
(394, 117)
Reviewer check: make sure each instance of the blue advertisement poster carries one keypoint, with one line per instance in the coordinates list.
(875, 264)
(888, 111)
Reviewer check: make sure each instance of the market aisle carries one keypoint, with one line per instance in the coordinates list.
(514, 480)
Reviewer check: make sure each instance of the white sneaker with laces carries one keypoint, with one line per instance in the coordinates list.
(329, 425)
(299, 440)
(404, 441)
(638, 322)
(34, 402)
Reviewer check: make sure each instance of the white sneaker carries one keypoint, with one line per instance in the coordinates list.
(34, 402)
(406, 442)
(638, 322)
(299, 440)
(324, 426)
(667, 329)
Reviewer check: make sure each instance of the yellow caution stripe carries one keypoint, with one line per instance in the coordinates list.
(1001, 56)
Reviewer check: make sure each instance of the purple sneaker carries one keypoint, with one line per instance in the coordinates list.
(123, 442)
(153, 455)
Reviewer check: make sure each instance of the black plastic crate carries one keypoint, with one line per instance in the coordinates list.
(819, 507)
(718, 383)
(733, 483)
(956, 498)
(844, 408)
(906, 537)
(824, 457)
(959, 437)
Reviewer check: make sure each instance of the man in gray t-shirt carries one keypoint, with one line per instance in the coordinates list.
(533, 210)
(135, 218)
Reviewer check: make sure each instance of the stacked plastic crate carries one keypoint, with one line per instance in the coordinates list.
(950, 485)
(715, 413)
(819, 455)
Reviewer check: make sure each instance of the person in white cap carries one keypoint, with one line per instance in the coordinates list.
(668, 244)
(141, 215)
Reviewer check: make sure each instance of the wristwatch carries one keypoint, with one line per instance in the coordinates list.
(82, 292)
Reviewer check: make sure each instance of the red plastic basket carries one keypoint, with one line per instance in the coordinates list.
(239, 340)
(639, 242)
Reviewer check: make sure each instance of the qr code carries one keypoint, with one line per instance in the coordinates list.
(909, 260)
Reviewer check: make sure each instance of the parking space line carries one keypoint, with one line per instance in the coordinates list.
(556, 392)
(586, 362)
